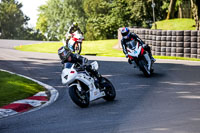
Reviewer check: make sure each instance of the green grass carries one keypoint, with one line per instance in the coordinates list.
(101, 48)
(176, 24)
(98, 48)
(13, 87)
(42, 47)
(176, 58)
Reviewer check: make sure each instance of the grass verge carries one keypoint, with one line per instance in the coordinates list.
(176, 58)
(97, 48)
(176, 24)
(13, 87)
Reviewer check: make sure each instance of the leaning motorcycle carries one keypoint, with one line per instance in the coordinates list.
(83, 87)
(75, 42)
(139, 57)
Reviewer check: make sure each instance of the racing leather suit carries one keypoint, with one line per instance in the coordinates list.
(73, 28)
(82, 62)
(133, 36)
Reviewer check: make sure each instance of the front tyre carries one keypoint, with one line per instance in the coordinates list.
(79, 98)
(144, 68)
(77, 47)
(109, 90)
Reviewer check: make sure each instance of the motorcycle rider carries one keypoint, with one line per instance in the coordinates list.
(74, 27)
(128, 36)
(66, 55)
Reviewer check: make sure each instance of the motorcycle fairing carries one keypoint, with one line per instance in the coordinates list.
(70, 75)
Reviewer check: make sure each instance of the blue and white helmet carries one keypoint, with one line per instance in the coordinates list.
(125, 33)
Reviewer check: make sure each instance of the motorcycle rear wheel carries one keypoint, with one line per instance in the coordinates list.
(109, 91)
(79, 98)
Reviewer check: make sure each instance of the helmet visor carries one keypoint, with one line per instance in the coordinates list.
(64, 55)
(125, 34)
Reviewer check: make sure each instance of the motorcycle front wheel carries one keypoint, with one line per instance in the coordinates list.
(144, 68)
(109, 91)
(77, 48)
(78, 97)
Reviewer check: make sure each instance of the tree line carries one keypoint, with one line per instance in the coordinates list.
(14, 23)
(98, 19)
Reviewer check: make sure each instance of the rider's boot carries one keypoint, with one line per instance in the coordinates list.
(100, 83)
(67, 41)
(129, 61)
(151, 57)
(148, 49)
(101, 80)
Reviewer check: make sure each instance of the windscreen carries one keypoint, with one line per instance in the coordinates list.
(68, 65)
(131, 44)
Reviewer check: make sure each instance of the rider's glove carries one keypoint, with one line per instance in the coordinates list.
(88, 67)
(62, 61)
(144, 45)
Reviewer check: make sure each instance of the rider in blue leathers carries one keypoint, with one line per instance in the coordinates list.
(128, 36)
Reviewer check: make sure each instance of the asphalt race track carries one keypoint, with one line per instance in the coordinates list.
(168, 102)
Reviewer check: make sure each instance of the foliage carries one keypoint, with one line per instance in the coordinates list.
(13, 24)
(12, 19)
(57, 15)
(195, 4)
(106, 16)
(98, 19)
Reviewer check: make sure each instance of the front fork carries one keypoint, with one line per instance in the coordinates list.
(146, 55)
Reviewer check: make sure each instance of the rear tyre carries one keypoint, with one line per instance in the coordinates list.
(79, 98)
(144, 68)
(109, 91)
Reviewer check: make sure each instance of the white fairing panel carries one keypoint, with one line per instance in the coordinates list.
(135, 52)
(95, 65)
(68, 75)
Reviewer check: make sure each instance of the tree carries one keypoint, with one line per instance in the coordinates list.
(57, 15)
(97, 12)
(98, 19)
(171, 9)
(12, 19)
(195, 4)
(106, 16)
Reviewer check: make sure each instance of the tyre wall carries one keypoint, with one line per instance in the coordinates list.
(180, 43)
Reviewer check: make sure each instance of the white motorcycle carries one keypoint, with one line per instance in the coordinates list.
(84, 88)
(138, 56)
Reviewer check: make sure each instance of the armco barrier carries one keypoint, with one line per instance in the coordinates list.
(179, 43)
